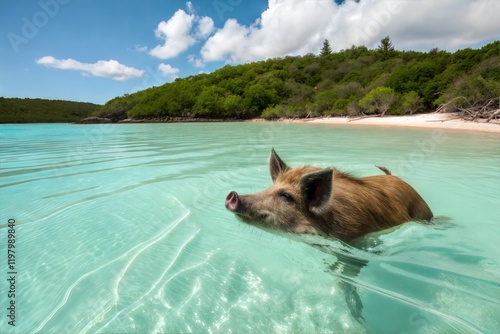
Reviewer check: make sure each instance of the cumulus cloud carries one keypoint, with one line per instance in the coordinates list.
(102, 68)
(179, 33)
(289, 27)
(205, 27)
(168, 71)
(447, 24)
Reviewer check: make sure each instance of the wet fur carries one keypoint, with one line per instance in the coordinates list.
(331, 203)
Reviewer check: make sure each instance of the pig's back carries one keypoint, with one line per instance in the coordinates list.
(375, 203)
(401, 192)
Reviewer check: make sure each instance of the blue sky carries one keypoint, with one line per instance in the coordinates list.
(94, 50)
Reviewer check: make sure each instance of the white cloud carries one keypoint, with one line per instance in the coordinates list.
(289, 27)
(102, 68)
(176, 33)
(447, 24)
(197, 62)
(168, 71)
(205, 27)
(179, 33)
(230, 42)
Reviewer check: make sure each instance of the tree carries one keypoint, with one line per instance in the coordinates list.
(412, 102)
(421, 77)
(258, 97)
(379, 99)
(326, 49)
(434, 51)
(324, 101)
(298, 94)
(295, 86)
(473, 97)
(233, 106)
(386, 48)
(210, 102)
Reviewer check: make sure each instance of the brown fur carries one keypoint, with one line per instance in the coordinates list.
(328, 202)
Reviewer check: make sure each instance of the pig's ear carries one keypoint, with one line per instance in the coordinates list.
(276, 165)
(316, 188)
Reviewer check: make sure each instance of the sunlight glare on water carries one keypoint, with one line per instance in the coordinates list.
(122, 228)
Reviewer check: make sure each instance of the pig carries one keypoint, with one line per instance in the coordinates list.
(327, 202)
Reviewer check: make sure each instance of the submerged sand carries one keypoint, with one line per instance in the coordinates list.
(432, 120)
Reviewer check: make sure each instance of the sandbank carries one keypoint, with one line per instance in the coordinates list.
(431, 120)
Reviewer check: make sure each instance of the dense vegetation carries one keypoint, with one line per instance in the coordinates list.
(355, 81)
(43, 111)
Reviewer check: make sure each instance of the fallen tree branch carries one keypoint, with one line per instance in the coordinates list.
(496, 113)
(487, 108)
(363, 117)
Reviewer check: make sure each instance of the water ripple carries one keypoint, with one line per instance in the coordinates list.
(123, 229)
(135, 252)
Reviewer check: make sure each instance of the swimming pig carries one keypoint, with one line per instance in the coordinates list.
(327, 202)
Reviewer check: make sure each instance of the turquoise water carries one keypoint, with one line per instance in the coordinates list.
(122, 228)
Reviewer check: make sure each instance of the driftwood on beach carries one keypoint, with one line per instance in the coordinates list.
(483, 108)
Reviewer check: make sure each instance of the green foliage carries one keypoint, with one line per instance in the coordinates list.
(341, 107)
(492, 73)
(276, 112)
(288, 111)
(210, 102)
(258, 97)
(412, 102)
(234, 106)
(378, 100)
(297, 93)
(475, 89)
(418, 77)
(324, 102)
(299, 86)
(328, 84)
(115, 109)
(350, 90)
(14, 110)
(353, 76)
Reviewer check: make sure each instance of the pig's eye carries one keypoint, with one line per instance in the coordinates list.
(285, 196)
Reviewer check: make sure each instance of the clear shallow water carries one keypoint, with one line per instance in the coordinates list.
(122, 228)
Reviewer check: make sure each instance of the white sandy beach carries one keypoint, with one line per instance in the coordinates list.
(431, 120)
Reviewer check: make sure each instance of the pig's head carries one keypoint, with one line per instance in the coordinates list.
(292, 203)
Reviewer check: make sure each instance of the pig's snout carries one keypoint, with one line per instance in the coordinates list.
(233, 201)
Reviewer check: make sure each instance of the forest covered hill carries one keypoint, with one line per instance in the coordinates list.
(356, 81)
(352, 82)
(14, 110)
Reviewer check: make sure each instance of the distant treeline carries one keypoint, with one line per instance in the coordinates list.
(14, 110)
(355, 81)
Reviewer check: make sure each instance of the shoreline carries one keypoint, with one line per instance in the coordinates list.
(434, 120)
(431, 120)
